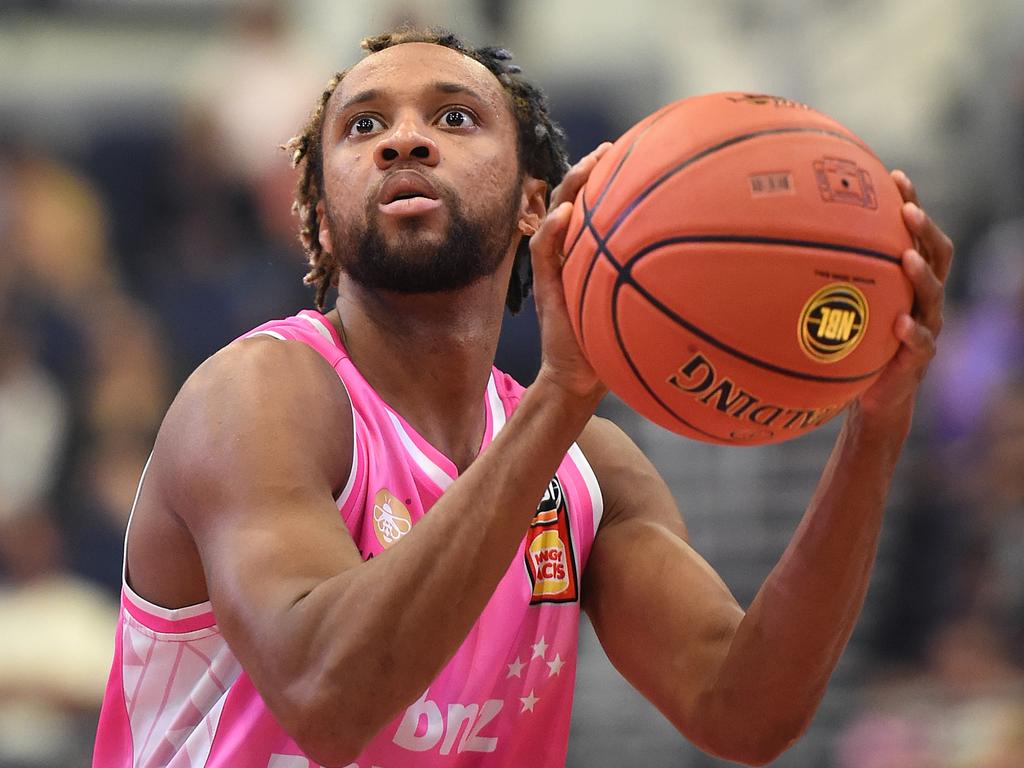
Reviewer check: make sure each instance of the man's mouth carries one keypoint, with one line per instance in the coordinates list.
(407, 193)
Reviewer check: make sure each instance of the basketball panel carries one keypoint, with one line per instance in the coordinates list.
(688, 129)
(690, 387)
(775, 187)
(759, 300)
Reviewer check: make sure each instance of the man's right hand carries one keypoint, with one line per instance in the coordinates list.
(562, 360)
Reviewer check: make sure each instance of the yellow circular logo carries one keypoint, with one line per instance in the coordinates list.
(833, 322)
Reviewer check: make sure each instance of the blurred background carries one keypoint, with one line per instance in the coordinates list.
(144, 223)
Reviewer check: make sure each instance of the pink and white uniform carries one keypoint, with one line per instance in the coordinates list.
(177, 697)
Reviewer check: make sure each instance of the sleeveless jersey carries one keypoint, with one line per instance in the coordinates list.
(177, 696)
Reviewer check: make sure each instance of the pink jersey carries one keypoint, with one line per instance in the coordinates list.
(177, 696)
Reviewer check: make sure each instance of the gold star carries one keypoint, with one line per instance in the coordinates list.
(529, 701)
(555, 665)
(515, 669)
(539, 649)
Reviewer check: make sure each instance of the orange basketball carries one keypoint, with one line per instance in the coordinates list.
(733, 268)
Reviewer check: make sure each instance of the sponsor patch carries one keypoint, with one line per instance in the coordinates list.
(550, 561)
(391, 519)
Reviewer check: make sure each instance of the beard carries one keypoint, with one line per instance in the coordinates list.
(470, 249)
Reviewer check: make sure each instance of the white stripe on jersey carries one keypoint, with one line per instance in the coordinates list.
(596, 500)
(434, 472)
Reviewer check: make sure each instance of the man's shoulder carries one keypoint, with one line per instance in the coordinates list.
(277, 392)
(262, 365)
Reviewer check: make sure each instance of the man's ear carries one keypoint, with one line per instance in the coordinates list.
(533, 207)
(324, 230)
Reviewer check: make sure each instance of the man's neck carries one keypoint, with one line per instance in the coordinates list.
(428, 356)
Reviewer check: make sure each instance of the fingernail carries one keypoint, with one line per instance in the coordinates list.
(915, 214)
(913, 258)
(904, 325)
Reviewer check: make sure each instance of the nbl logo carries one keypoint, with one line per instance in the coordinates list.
(833, 322)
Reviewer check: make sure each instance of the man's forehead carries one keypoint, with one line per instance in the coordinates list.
(407, 65)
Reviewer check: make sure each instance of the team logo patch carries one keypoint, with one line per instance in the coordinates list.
(833, 322)
(391, 519)
(550, 561)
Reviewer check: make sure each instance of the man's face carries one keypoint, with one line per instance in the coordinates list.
(421, 177)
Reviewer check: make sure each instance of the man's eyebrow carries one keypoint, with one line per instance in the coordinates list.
(445, 87)
(360, 98)
(372, 94)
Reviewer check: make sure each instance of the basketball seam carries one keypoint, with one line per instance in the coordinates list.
(640, 378)
(757, 240)
(615, 172)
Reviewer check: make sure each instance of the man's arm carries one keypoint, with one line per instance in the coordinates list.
(247, 459)
(333, 644)
(746, 685)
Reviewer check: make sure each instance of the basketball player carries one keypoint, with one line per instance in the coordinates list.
(337, 556)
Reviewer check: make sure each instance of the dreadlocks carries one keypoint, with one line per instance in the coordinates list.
(541, 149)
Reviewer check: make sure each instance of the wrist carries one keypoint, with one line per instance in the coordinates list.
(880, 427)
(577, 398)
(580, 392)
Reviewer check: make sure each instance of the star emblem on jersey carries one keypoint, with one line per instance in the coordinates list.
(528, 701)
(539, 649)
(515, 669)
(535, 669)
(555, 665)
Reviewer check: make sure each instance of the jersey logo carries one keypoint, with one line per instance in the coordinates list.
(391, 519)
(550, 561)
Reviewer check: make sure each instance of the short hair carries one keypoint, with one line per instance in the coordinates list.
(541, 149)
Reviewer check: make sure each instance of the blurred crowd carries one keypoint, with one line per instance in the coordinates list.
(128, 260)
(949, 645)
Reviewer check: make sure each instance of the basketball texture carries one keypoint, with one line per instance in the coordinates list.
(733, 268)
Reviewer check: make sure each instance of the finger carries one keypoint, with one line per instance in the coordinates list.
(577, 176)
(909, 195)
(930, 240)
(906, 187)
(546, 244)
(928, 295)
(918, 344)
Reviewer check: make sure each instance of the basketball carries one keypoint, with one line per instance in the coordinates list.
(733, 268)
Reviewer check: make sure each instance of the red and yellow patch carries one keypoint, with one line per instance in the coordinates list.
(550, 561)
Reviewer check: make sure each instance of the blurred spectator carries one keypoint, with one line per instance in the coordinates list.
(33, 422)
(214, 269)
(983, 344)
(997, 482)
(964, 706)
(55, 647)
(253, 94)
(965, 710)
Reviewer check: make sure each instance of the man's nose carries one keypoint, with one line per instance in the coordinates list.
(408, 141)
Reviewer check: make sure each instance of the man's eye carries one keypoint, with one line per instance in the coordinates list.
(458, 118)
(365, 125)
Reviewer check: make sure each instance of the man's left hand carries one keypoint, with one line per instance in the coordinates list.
(926, 265)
